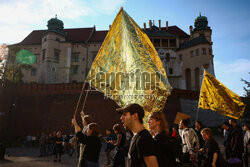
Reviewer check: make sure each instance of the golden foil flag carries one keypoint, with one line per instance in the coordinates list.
(128, 69)
(215, 96)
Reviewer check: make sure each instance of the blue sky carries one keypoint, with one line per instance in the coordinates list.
(229, 20)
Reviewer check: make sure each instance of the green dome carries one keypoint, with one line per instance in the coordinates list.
(55, 25)
(201, 23)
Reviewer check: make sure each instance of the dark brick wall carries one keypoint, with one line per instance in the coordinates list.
(33, 108)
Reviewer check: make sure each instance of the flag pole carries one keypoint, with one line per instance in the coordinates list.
(197, 112)
(85, 99)
(79, 99)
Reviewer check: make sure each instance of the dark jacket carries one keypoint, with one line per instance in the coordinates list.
(236, 142)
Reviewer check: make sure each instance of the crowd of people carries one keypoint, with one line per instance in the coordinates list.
(132, 145)
(54, 144)
(160, 146)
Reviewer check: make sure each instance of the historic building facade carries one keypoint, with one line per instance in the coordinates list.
(66, 55)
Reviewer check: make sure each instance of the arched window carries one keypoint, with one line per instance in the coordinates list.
(188, 78)
(197, 78)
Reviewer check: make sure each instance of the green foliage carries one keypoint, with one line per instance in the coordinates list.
(247, 88)
(246, 115)
(13, 71)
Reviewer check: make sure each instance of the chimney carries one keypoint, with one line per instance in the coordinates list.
(160, 25)
(150, 24)
(166, 25)
(144, 24)
(191, 30)
(109, 26)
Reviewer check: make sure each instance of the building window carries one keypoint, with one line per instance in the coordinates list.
(164, 42)
(56, 55)
(188, 78)
(58, 39)
(172, 42)
(74, 69)
(197, 78)
(197, 52)
(170, 71)
(209, 51)
(157, 42)
(180, 57)
(203, 51)
(43, 56)
(191, 53)
(75, 58)
(167, 57)
(33, 72)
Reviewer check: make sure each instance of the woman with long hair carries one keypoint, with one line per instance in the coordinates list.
(159, 127)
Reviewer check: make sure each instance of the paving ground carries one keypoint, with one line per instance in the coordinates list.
(28, 157)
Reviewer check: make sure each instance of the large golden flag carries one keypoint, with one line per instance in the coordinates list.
(215, 96)
(128, 69)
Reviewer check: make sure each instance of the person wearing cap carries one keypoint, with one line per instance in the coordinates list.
(246, 144)
(142, 150)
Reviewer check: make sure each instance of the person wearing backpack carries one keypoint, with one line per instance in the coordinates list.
(164, 142)
(189, 139)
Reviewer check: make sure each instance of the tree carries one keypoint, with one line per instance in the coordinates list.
(12, 71)
(246, 100)
(247, 88)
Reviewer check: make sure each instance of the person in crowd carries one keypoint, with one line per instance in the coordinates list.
(198, 127)
(92, 143)
(129, 135)
(49, 144)
(189, 139)
(74, 146)
(109, 147)
(58, 148)
(119, 158)
(236, 140)
(246, 145)
(42, 144)
(227, 132)
(28, 140)
(165, 148)
(86, 120)
(66, 144)
(213, 157)
(174, 132)
(142, 150)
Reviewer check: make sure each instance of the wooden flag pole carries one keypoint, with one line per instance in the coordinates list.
(79, 99)
(85, 99)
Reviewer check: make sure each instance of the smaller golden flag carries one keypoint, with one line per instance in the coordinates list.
(215, 96)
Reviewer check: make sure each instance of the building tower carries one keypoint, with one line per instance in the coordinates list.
(48, 71)
(197, 54)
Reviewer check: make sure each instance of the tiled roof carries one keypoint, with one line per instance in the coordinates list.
(98, 36)
(171, 32)
(195, 41)
(72, 35)
(78, 34)
(35, 37)
(85, 34)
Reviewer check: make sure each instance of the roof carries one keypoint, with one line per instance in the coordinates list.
(98, 36)
(172, 31)
(91, 35)
(195, 41)
(72, 35)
